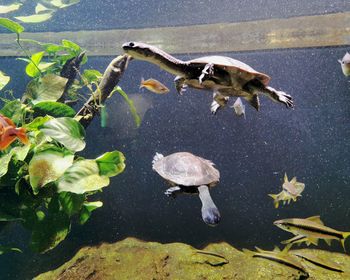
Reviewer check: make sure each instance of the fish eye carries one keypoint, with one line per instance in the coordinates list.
(131, 44)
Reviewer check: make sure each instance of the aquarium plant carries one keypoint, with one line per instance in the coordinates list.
(45, 184)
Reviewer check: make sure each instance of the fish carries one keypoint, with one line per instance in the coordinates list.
(315, 260)
(9, 133)
(239, 107)
(312, 228)
(291, 190)
(345, 64)
(281, 257)
(154, 86)
(299, 239)
(293, 187)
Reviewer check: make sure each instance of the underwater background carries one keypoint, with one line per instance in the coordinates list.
(310, 141)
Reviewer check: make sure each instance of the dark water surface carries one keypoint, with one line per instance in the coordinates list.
(310, 142)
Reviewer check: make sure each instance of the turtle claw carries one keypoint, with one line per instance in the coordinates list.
(214, 107)
(281, 96)
(207, 70)
(180, 85)
(171, 192)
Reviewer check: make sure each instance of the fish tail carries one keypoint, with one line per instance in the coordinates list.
(22, 136)
(345, 235)
(275, 200)
(142, 82)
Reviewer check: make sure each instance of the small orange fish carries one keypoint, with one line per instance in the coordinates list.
(9, 132)
(154, 86)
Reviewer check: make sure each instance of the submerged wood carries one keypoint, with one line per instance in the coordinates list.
(110, 79)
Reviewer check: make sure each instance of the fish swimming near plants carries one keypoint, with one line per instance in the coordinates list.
(239, 107)
(224, 76)
(313, 229)
(278, 256)
(317, 261)
(9, 133)
(154, 86)
(291, 190)
(345, 64)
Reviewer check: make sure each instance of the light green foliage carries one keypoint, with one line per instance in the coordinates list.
(5, 249)
(48, 88)
(44, 185)
(4, 9)
(4, 80)
(66, 131)
(47, 166)
(11, 25)
(83, 176)
(35, 18)
(111, 163)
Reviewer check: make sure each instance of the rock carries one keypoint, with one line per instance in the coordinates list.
(135, 259)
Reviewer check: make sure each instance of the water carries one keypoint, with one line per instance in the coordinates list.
(310, 142)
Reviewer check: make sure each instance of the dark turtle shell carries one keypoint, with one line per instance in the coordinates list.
(186, 169)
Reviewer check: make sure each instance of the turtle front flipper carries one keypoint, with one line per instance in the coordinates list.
(180, 84)
(219, 100)
(172, 191)
(279, 96)
(207, 70)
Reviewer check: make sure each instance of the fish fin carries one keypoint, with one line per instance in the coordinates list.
(285, 178)
(315, 219)
(294, 180)
(9, 121)
(258, 249)
(275, 200)
(253, 100)
(340, 61)
(142, 82)
(286, 248)
(313, 241)
(345, 235)
(328, 241)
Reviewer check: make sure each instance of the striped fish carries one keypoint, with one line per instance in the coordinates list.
(312, 228)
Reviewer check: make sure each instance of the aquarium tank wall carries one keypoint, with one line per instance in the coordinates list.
(174, 139)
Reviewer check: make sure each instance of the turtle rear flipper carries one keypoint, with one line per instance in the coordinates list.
(253, 100)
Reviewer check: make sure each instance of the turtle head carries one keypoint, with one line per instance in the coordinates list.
(139, 50)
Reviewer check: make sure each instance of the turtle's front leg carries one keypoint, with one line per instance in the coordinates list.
(218, 101)
(279, 96)
(180, 84)
(172, 191)
(207, 70)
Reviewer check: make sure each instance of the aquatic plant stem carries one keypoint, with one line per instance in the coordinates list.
(109, 80)
(26, 53)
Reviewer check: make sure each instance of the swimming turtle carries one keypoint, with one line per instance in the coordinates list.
(188, 173)
(223, 75)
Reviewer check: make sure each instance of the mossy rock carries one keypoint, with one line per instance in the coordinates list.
(136, 259)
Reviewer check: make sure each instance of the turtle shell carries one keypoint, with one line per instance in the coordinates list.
(186, 169)
(234, 67)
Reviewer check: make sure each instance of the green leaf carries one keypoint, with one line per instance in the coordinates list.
(111, 163)
(69, 132)
(83, 176)
(47, 166)
(71, 45)
(13, 110)
(54, 109)
(49, 231)
(6, 249)
(92, 75)
(11, 25)
(41, 8)
(71, 202)
(4, 9)
(63, 4)
(48, 88)
(132, 107)
(32, 68)
(36, 18)
(20, 152)
(36, 123)
(88, 207)
(4, 80)
(44, 66)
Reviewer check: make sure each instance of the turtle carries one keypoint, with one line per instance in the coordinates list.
(223, 75)
(188, 173)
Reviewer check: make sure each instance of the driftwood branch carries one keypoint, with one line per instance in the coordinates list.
(110, 79)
